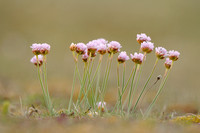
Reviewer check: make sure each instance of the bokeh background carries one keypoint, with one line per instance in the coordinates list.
(173, 24)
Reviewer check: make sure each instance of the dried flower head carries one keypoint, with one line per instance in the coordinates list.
(36, 48)
(81, 48)
(122, 57)
(45, 48)
(72, 47)
(161, 52)
(101, 105)
(142, 38)
(35, 61)
(137, 58)
(114, 47)
(85, 57)
(168, 63)
(147, 47)
(173, 55)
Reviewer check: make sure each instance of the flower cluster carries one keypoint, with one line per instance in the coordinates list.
(43, 48)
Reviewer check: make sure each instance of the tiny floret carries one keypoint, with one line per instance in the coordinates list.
(36, 48)
(137, 58)
(35, 61)
(81, 48)
(114, 47)
(168, 63)
(45, 48)
(147, 47)
(102, 49)
(92, 47)
(122, 57)
(85, 57)
(143, 38)
(101, 106)
(173, 55)
(72, 47)
(161, 52)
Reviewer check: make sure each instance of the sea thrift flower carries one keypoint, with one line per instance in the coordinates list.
(168, 63)
(137, 58)
(92, 47)
(173, 55)
(161, 52)
(142, 38)
(85, 57)
(147, 47)
(122, 57)
(102, 41)
(44, 48)
(101, 106)
(81, 48)
(35, 62)
(114, 47)
(72, 47)
(36, 48)
(102, 48)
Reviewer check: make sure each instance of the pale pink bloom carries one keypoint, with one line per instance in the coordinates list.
(161, 52)
(92, 47)
(114, 47)
(102, 48)
(72, 47)
(147, 47)
(123, 57)
(102, 41)
(85, 57)
(168, 63)
(142, 38)
(81, 48)
(45, 48)
(35, 62)
(137, 58)
(101, 105)
(173, 55)
(36, 48)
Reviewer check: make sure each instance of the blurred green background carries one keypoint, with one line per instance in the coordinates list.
(173, 24)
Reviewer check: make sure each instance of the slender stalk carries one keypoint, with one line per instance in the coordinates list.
(146, 84)
(159, 91)
(131, 88)
(72, 91)
(41, 83)
(118, 85)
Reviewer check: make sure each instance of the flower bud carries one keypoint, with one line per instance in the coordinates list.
(72, 47)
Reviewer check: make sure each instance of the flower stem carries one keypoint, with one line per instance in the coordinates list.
(145, 84)
(159, 91)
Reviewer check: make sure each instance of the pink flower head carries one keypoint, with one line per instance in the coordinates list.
(101, 105)
(85, 57)
(147, 47)
(72, 47)
(123, 57)
(81, 48)
(102, 48)
(168, 63)
(102, 41)
(35, 62)
(137, 58)
(92, 47)
(114, 47)
(143, 38)
(36, 48)
(44, 48)
(173, 55)
(161, 52)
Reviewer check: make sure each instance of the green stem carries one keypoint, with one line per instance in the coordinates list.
(159, 91)
(146, 84)
(131, 89)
